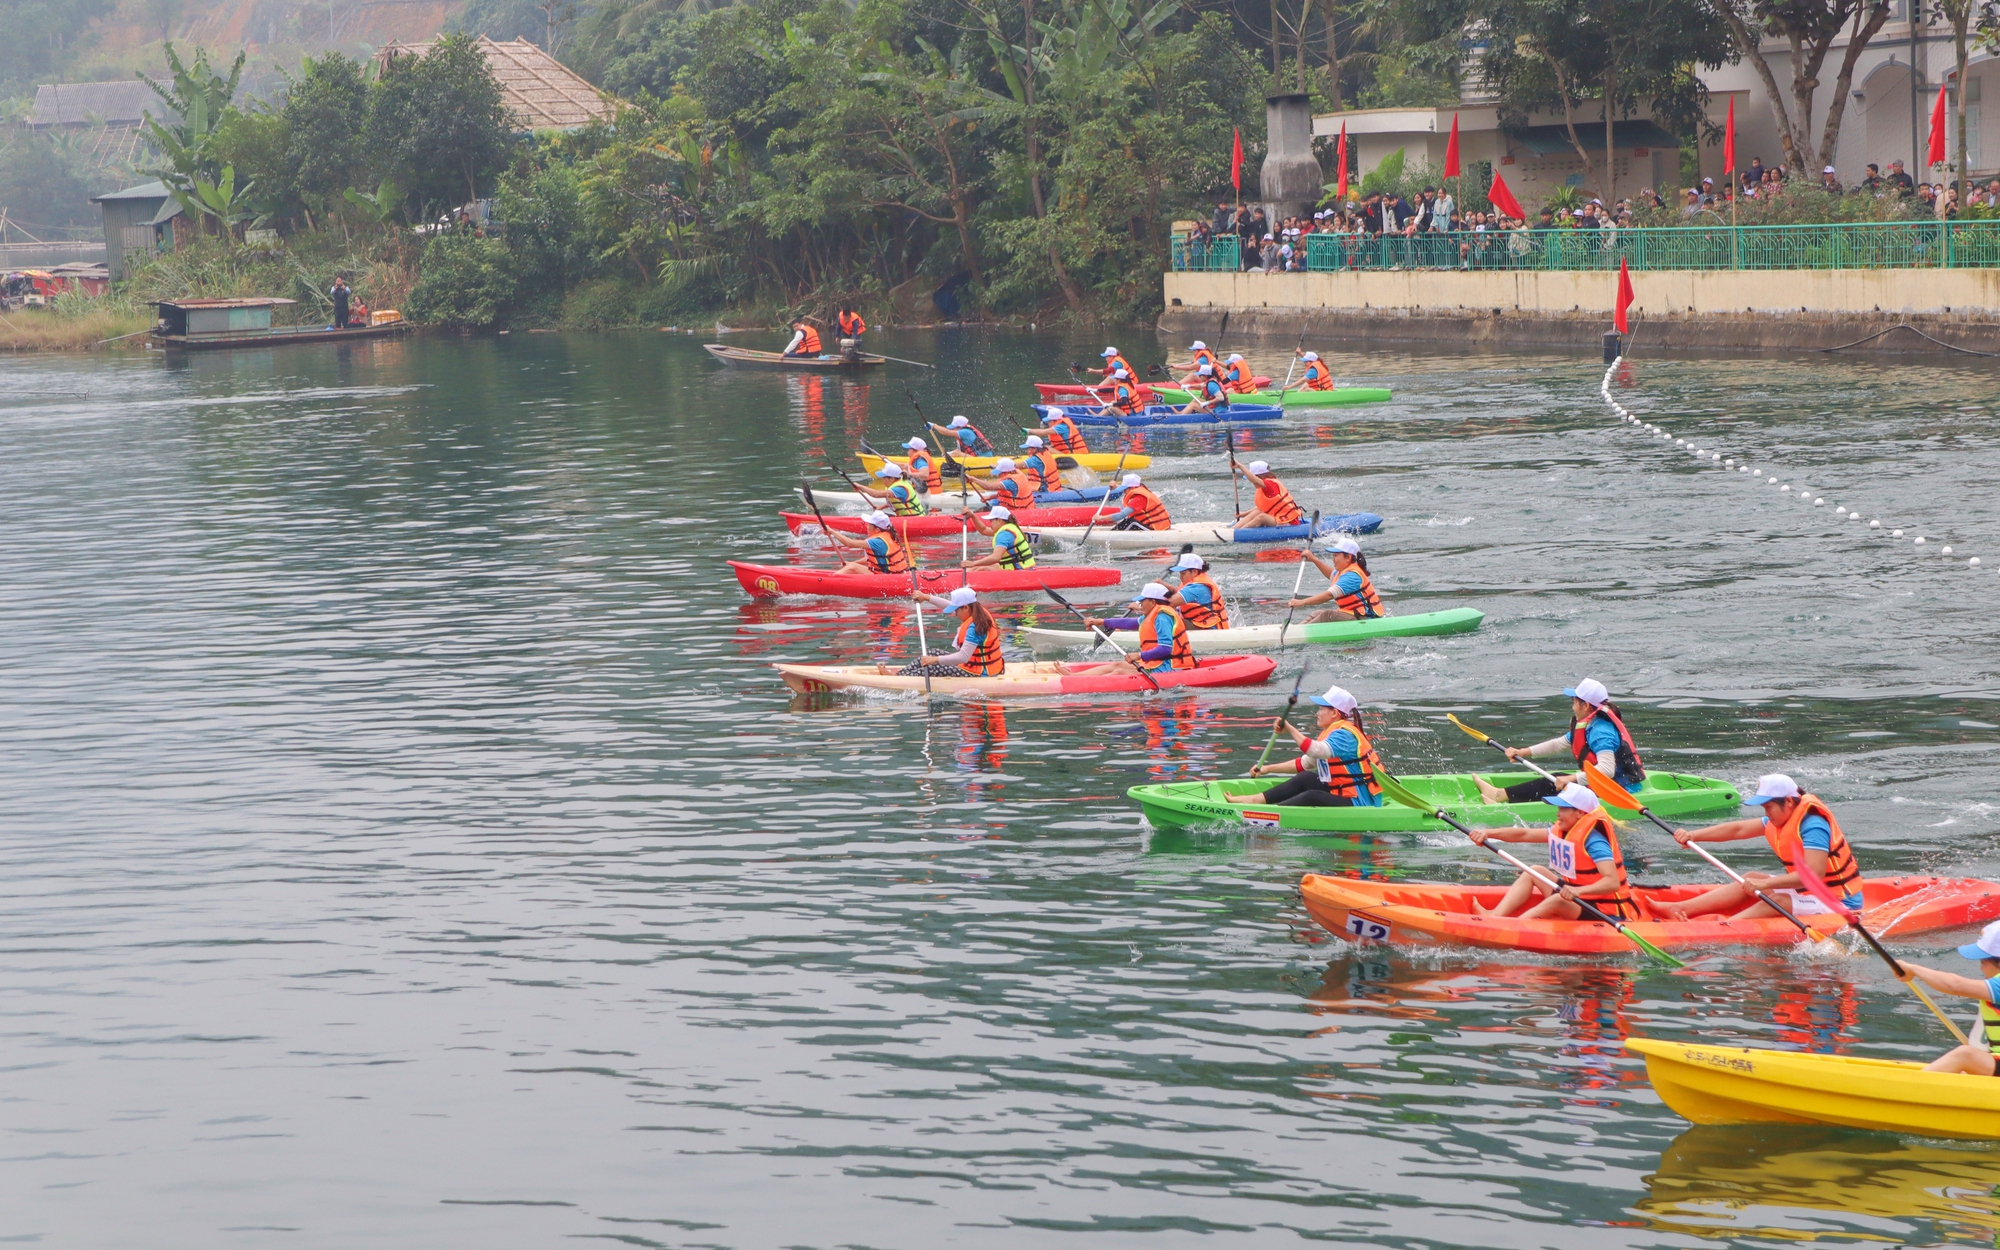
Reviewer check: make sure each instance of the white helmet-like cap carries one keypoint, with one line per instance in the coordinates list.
(1206, 370)
(1031, 442)
(1258, 467)
(880, 520)
(1590, 690)
(1198, 346)
(1004, 464)
(917, 444)
(1110, 352)
(891, 469)
(1234, 360)
(1310, 356)
(963, 597)
(1576, 796)
(1189, 563)
(1773, 786)
(998, 512)
(1343, 543)
(1155, 590)
(959, 422)
(1130, 480)
(1337, 699)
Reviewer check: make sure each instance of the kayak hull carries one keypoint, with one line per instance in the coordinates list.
(1741, 1085)
(768, 581)
(949, 526)
(1236, 414)
(1070, 392)
(1258, 637)
(949, 501)
(1206, 534)
(1181, 803)
(1423, 914)
(1338, 397)
(1095, 461)
(1036, 680)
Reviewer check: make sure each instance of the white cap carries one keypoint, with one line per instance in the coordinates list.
(1110, 351)
(880, 520)
(1343, 543)
(1189, 563)
(1121, 372)
(1004, 464)
(1988, 945)
(892, 469)
(1827, 170)
(1772, 786)
(963, 597)
(1233, 360)
(1205, 370)
(1337, 699)
(1155, 590)
(1590, 690)
(1033, 440)
(1130, 480)
(1258, 467)
(959, 422)
(1576, 796)
(1310, 356)
(1267, 238)
(1198, 346)
(998, 512)
(917, 444)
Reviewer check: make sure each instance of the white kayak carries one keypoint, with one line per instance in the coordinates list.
(1259, 637)
(854, 501)
(1204, 533)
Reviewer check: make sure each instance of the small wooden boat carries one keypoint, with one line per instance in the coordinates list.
(1742, 1085)
(200, 324)
(750, 358)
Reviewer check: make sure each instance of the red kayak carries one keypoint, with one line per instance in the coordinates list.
(1060, 392)
(765, 581)
(948, 526)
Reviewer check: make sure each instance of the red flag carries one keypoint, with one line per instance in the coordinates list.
(1340, 191)
(1236, 163)
(1503, 199)
(1937, 131)
(1729, 140)
(1451, 169)
(1618, 317)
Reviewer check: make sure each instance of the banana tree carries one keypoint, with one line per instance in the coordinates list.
(229, 204)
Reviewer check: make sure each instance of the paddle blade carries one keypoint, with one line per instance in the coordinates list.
(1651, 950)
(1467, 728)
(1613, 794)
(1818, 888)
(1404, 795)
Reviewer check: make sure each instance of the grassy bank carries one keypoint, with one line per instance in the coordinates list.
(73, 325)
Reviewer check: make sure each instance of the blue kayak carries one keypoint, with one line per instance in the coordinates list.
(1351, 523)
(1086, 494)
(1161, 414)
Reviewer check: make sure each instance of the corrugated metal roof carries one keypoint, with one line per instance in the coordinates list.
(155, 190)
(541, 92)
(259, 301)
(83, 103)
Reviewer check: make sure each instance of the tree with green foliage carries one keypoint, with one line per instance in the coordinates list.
(437, 124)
(467, 282)
(196, 98)
(326, 113)
(1808, 29)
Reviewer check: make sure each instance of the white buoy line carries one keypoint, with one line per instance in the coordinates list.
(1760, 477)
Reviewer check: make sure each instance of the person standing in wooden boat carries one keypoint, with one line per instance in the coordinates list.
(340, 294)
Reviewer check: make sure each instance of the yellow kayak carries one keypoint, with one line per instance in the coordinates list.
(1738, 1085)
(1096, 461)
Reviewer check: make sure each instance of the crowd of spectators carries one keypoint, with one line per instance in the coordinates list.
(1759, 182)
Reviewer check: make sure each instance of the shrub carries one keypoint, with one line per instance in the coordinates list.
(465, 281)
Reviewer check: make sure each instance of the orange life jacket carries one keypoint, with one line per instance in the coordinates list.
(1274, 501)
(925, 469)
(1365, 604)
(1317, 378)
(1116, 363)
(1125, 397)
(1182, 655)
(1843, 875)
(986, 660)
(851, 325)
(897, 560)
(1206, 357)
(1573, 864)
(1213, 615)
(1148, 513)
(1347, 781)
(1237, 379)
(1017, 489)
(1628, 761)
(809, 345)
(1041, 467)
(1065, 437)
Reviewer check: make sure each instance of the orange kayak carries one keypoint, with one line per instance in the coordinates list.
(1429, 913)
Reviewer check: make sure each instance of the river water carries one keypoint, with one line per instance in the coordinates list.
(408, 845)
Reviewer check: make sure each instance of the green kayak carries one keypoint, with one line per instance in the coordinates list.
(1671, 796)
(1338, 397)
(1264, 637)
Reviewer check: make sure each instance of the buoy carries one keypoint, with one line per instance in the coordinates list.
(1944, 551)
(1818, 502)
(1875, 525)
(1840, 510)
(1920, 538)
(1974, 562)
(1895, 533)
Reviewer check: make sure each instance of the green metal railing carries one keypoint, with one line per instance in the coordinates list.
(1860, 245)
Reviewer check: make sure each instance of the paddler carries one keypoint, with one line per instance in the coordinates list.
(881, 551)
(1317, 376)
(1010, 484)
(1120, 395)
(1113, 362)
(805, 339)
(899, 493)
(1198, 599)
(1163, 637)
(1012, 548)
(978, 639)
(1237, 377)
(1596, 733)
(1336, 766)
(1980, 1058)
(1348, 586)
(1273, 506)
(1208, 393)
(1063, 434)
(1147, 511)
(1040, 465)
(1199, 355)
(923, 466)
(1584, 860)
(1798, 827)
(963, 437)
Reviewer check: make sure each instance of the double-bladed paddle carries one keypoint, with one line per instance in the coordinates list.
(1283, 717)
(1401, 794)
(1299, 580)
(1100, 633)
(805, 488)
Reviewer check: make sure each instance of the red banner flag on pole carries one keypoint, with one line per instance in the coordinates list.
(1236, 165)
(1340, 189)
(1451, 150)
(1729, 142)
(1936, 156)
(1618, 318)
(1503, 199)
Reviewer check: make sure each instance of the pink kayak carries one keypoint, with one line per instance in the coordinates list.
(935, 526)
(767, 581)
(1060, 392)
(1033, 680)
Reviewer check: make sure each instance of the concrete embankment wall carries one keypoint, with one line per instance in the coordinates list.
(1690, 310)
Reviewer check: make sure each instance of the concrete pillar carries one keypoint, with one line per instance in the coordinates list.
(1291, 178)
